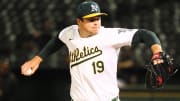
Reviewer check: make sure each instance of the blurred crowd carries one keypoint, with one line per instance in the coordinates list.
(8, 81)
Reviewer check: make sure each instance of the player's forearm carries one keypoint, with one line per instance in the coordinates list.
(51, 47)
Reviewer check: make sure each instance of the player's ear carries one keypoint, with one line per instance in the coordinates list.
(78, 20)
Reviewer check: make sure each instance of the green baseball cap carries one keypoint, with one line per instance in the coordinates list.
(88, 9)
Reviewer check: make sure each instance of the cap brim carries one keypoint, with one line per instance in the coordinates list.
(94, 14)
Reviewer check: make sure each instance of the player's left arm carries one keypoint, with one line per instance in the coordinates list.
(150, 39)
(161, 65)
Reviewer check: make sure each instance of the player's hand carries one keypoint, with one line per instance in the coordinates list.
(30, 67)
(157, 59)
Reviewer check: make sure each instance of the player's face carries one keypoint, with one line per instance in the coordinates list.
(89, 26)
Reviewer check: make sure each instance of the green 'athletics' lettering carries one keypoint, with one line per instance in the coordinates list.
(78, 57)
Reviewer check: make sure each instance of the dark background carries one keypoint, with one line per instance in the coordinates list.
(27, 25)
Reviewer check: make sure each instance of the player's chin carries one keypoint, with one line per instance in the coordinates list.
(94, 31)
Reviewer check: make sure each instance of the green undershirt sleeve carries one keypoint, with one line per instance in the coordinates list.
(145, 36)
(51, 47)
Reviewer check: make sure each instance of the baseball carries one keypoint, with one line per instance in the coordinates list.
(29, 71)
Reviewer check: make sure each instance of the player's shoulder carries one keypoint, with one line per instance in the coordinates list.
(118, 30)
(68, 30)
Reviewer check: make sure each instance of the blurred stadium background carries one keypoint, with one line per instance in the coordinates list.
(26, 25)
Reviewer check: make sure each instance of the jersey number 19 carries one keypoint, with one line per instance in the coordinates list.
(98, 67)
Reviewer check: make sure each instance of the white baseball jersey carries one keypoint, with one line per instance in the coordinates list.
(93, 62)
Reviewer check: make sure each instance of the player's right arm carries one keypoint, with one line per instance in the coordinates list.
(30, 67)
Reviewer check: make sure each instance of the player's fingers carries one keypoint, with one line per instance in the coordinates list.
(157, 61)
(28, 72)
(29, 68)
(34, 68)
(26, 68)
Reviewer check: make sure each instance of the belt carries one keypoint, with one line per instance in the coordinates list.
(114, 99)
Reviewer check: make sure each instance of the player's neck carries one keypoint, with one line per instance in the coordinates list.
(85, 34)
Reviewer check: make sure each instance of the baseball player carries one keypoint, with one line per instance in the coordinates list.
(93, 53)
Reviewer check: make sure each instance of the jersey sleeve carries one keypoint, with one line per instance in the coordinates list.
(126, 35)
(122, 36)
(67, 34)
